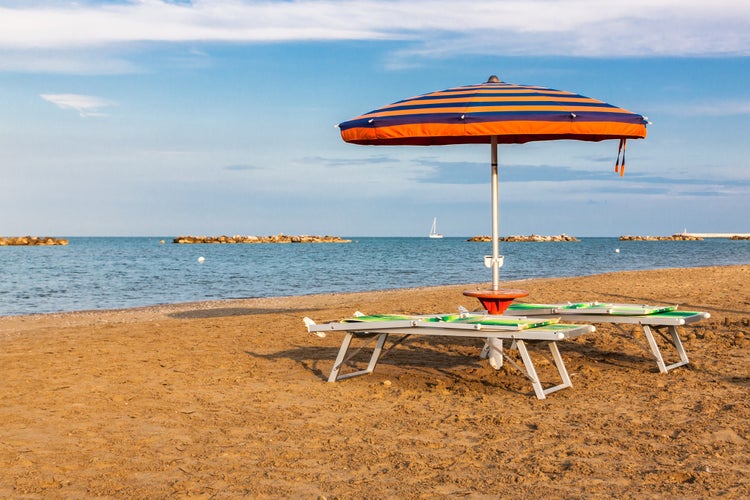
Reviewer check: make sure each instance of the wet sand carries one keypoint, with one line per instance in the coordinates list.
(229, 399)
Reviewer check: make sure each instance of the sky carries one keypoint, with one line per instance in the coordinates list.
(159, 117)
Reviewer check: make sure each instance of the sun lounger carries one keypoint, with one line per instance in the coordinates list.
(649, 318)
(494, 329)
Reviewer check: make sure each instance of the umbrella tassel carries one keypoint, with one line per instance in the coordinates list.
(617, 162)
(620, 163)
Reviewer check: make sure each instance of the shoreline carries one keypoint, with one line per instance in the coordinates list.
(208, 304)
(229, 399)
(454, 290)
(216, 302)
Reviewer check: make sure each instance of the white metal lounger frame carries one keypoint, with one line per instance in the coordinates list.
(646, 322)
(380, 330)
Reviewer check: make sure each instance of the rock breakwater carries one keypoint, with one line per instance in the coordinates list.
(674, 237)
(279, 238)
(32, 241)
(527, 238)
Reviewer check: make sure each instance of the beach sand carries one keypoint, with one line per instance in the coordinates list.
(228, 399)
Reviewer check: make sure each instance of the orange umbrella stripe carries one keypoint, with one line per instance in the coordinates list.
(524, 129)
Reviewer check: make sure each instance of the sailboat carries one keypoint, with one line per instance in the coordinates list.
(433, 230)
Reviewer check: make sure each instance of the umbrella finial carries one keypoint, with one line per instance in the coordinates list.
(493, 79)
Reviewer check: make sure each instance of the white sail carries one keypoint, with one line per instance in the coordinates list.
(433, 230)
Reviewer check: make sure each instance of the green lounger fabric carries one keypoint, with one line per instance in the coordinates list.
(376, 317)
(500, 321)
(592, 308)
(517, 323)
(676, 314)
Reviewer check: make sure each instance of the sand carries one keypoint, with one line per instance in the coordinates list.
(229, 399)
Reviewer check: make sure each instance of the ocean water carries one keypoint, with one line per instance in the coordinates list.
(115, 273)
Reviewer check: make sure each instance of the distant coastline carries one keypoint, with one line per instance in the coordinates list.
(729, 236)
(688, 237)
(674, 237)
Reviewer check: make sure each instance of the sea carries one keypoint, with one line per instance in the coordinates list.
(96, 273)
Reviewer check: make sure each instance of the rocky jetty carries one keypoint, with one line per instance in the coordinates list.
(739, 237)
(279, 238)
(32, 241)
(674, 237)
(530, 238)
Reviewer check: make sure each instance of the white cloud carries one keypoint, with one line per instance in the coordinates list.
(433, 28)
(85, 105)
(708, 108)
(719, 107)
(85, 62)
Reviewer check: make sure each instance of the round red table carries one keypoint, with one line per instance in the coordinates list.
(496, 301)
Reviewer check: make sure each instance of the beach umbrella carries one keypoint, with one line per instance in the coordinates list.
(495, 113)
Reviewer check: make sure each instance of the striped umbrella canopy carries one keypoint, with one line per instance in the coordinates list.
(495, 113)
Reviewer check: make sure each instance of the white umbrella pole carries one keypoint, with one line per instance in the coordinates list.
(495, 219)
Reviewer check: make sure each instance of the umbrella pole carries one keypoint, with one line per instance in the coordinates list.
(495, 219)
(495, 301)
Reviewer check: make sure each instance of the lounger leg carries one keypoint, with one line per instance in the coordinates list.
(560, 364)
(531, 374)
(376, 352)
(341, 358)
(680, 348)
(654, 348)
(530, 370)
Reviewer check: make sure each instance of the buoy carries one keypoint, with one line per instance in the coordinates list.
(617, 250)
(201, 260)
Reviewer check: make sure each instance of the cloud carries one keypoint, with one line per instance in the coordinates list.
(240, 168)
(429, 28)
(338, 162)
(74, 62)
(85, 105)
(707, 108)
(472, 173)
